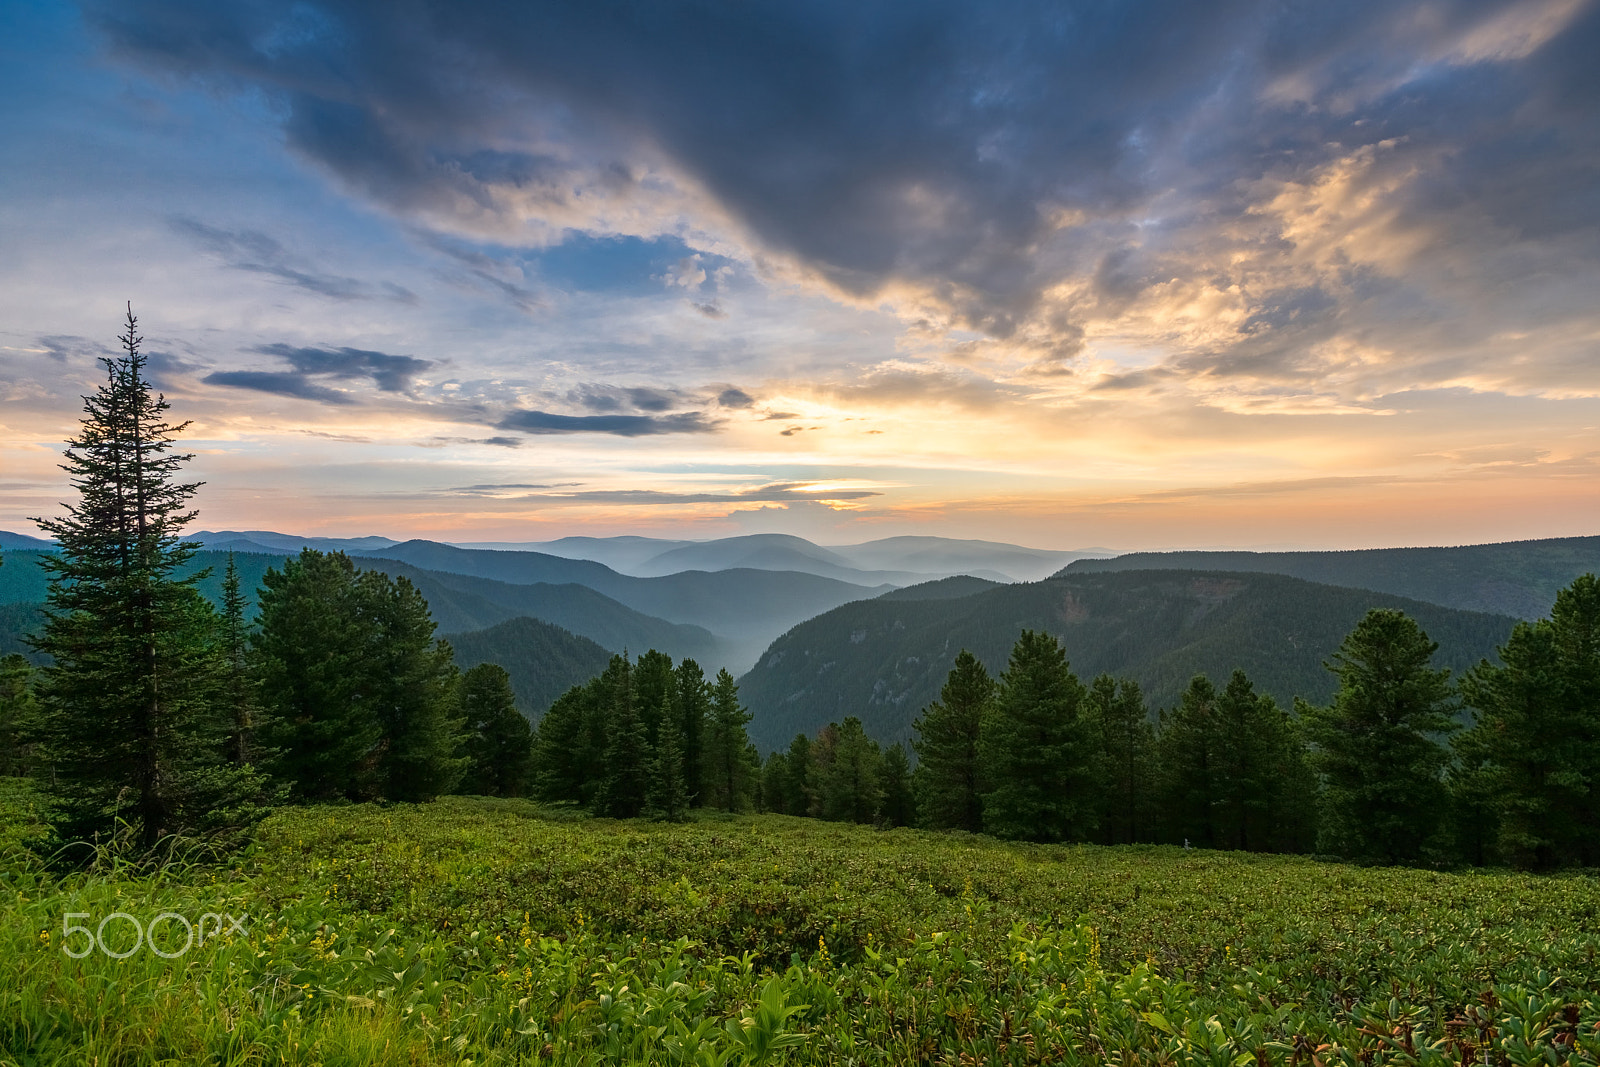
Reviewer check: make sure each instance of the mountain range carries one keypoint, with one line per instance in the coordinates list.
(1519, 578)
(884, 660)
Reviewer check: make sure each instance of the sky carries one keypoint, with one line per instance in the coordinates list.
(1129, 275)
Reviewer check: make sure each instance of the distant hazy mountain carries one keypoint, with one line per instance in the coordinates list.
(1519, 578)
(277, 542)
(619, 553)
(885, 659)
(744, 608)
(543, 660)
(895, 560)
(944, 556)
(9, 541)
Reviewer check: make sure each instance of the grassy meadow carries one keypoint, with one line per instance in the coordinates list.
(474, 931)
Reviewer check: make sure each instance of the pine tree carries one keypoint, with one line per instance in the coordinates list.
(1250, 729)
(774, 784)
(667, 797)
(1533, 744)
(1126, 763)
(799, 776)
(947, 776)
(411, 679)
(1035, 748)
(1376, 746)
(728, 775)
(564, 763)
(19, 713)
(313, 643)
(692, 702)
(130, 716)
(1187, 761)
(627, 753)
(239, 683)
(848, 786)
(499, 742)
(898, 807)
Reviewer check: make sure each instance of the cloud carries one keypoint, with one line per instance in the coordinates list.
(734, 397)
(282, 383)
(543, 422)
(780, 492)
(257, 253)
(390, 373)
(1247, 188)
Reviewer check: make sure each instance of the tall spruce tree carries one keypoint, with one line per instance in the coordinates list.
(1378, 745)
(667, 797)
(313, 643)
(729, 777)
(799, 780)
(239, 681)
(692, 701)
(627, 752)
(131, 720)
(1036, 750)
(565, 760)
(947, 778)
(411, 678)
(1126, 765)
(899, 804)
(1187, 761)
(849, 788)
(499, 742)
(1533, 747)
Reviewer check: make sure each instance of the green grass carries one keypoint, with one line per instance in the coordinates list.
(496, 932)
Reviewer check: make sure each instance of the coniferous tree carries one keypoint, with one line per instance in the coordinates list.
(692, 701)
(313, 643)
(1035, 748)
(848, 786)
(18, 717)
(799, 776)
(130, 715)
(1187, 759)
(774, 784)
(411, 678)
(1250, 736)
(1377, 745)
(499, 742)
(627, 752)
(898, 807)
(1127, 763)
(947, 776)
(565, 766)
(728, 774)
(667, 797)
(239, 683)
(654, 692)
(1535, 763)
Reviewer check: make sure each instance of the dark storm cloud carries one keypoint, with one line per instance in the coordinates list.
(985, 153)
(390, 373)
(544, 422)
(257, 253)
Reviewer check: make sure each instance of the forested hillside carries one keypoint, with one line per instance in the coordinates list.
(884, 660)
(1518, 578)
(459, 603)
(543, 660)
